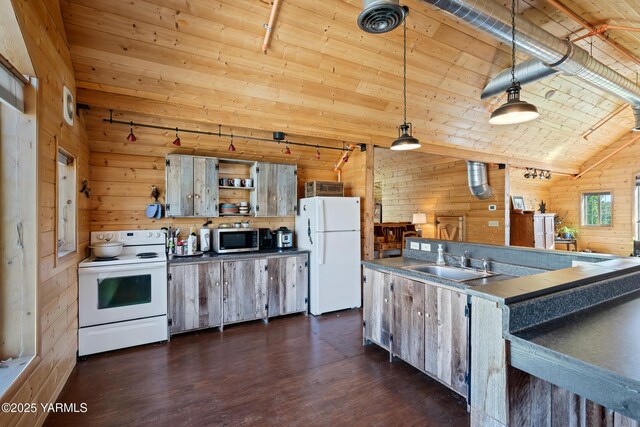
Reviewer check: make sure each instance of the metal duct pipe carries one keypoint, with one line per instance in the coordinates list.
(478, 180)
(381, 16)
(636, 114)
(528, 71)
(559, 54)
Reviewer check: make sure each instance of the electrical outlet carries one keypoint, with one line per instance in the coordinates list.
(494, 223)
(425, 246)
(414, 245)
(492, 207)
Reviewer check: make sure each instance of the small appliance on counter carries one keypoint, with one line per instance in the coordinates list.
(230, 240)
(283, 238)
(205, 237)
(265, 239)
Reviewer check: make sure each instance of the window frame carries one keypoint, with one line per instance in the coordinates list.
(583, 211)
(62, 258)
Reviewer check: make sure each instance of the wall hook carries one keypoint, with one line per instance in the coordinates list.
(155, 193)
(85, 188)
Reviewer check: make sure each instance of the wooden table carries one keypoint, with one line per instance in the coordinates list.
(567, 242)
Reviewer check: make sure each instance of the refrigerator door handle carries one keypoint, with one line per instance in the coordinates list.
(321, 248)
(321, 215)
(309, 230)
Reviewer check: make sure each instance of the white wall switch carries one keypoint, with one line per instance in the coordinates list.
(414, 245)
(425, 246)
(494, 223)
(492, 207)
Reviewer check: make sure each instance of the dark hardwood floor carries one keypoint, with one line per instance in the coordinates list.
(295, 370)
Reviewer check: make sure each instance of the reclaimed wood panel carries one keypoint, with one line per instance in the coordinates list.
(408, 321)
(377, 307)
(244, 290)
(287, 284)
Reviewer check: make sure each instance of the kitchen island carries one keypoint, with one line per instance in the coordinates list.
(507, 351)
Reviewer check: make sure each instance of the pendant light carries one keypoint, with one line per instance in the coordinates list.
(176, 141)
(317, 152)
(131, 137)
(286, 149)
(231, 146)
(513, 111)
(405, 140)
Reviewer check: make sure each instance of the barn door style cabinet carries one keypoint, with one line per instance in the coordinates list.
(214, 293)
(533, 230)
(192, 186)
(276, 189)
(423, 323)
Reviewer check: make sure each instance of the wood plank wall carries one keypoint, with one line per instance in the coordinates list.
(45, 39)
(533, 190)
(122, 173)
(617, 174)
(417, 182)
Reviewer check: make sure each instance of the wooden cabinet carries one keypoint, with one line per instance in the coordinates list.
(446, 336)
(287, 284)
(192, 186)
(533, 230)
(408, 321)
(276, 189)
(194, 296)
(244, 290)
(377, 307)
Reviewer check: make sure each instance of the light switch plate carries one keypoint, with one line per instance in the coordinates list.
(414, 245)
(494, 223)
(425, 246)
(492, 207)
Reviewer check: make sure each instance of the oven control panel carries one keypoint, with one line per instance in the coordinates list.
(130, 237)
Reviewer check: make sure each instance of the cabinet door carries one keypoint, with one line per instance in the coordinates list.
(446, 332)
(205, 186)
(266, 191)
(287, 284)
(183, 298)
(210, 294)
(538, 232)
(550, 232)
(179, 194)
(377, 307)
(287, 190)
(244, 290)
(408, 321)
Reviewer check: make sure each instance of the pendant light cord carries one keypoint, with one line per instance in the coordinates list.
(513, 42)
(404, 66)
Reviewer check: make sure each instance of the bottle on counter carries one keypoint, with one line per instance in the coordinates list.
(179, 248)
(440, 260)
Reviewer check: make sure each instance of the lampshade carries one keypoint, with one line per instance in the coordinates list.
(405, 140)
(514, 111)
(419, 218)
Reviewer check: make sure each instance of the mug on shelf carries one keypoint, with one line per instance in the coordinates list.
(236, 182)
(247, 182)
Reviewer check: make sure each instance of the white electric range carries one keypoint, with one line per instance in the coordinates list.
(122, 301)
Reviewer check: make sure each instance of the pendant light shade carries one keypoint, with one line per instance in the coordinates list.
(405, 140)
(131, 137)
(231, 146)
(514, 111)
(177, 141)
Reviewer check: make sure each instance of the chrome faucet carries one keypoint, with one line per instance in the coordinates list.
(463, 259)
(485, 266)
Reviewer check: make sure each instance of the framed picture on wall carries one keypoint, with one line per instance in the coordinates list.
(518, 203)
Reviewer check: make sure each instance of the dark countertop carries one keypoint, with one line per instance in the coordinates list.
(593, 353)
(213, 256)
(396, 266)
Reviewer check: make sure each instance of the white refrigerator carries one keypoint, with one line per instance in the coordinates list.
(329, 227)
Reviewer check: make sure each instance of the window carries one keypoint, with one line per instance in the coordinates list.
(66, 186)
(596, 209)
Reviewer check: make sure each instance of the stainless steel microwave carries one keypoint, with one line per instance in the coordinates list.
(229, 240)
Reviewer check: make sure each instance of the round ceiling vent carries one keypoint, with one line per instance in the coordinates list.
(381, 16)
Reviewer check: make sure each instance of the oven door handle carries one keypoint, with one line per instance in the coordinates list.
(120, 268)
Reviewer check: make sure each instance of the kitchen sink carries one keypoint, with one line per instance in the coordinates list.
(451, 273)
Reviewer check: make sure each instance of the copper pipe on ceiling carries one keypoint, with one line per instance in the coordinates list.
(614, 152)
(604, 28)
(338, 168)
(604, 120)
(270, 25)
(586, 25)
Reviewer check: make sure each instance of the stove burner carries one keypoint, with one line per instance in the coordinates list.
(144, 255)
(113, 258)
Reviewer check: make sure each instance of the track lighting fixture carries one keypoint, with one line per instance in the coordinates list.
(317, 152)
(177, 141)
(286, 149)
(231, 146)
(537, 173)
(131, 137)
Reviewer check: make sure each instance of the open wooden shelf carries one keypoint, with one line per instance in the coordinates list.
(227, 187)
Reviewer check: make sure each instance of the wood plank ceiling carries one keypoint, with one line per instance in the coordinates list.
(201, 60)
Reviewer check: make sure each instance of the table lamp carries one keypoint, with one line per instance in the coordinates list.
(419, 219)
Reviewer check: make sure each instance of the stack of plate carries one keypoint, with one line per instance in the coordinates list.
(229, 208)
(244, 208)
